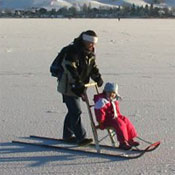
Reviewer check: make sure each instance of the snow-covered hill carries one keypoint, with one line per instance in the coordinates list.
(49, 4)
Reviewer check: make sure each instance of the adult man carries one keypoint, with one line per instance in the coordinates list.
(79, 66)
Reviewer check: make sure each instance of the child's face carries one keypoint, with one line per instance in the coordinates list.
(111, 95)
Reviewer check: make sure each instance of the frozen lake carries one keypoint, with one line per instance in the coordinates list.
(139, 54)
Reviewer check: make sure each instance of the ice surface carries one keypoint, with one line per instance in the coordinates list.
(138, 54)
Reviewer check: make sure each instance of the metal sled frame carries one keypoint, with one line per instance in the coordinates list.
(141, 152)
(94, 129)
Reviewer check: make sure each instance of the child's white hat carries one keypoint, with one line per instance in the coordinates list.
(111, 87)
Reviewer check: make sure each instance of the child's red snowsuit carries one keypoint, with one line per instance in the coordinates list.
(108, 115)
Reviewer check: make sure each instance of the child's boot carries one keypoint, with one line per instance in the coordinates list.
(133, 143)
(125, 146)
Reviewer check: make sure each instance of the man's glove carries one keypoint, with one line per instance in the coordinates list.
(99, 81)
(78, 88)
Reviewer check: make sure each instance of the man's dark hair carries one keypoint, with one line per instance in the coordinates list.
(90, 32)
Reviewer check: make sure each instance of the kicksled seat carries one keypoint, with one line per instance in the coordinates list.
(94, 127)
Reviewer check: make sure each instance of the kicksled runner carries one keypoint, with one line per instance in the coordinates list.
(95, 149)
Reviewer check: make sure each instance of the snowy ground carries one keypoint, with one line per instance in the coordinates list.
(138, 54)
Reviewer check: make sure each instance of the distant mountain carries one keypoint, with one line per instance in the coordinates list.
(57, 4)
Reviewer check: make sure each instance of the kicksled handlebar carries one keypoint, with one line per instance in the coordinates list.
(92, 84)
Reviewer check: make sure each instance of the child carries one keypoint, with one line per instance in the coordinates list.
(108, 115)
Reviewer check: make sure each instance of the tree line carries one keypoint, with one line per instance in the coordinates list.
(87, 11)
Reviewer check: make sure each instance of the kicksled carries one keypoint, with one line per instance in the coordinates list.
(95, 149)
